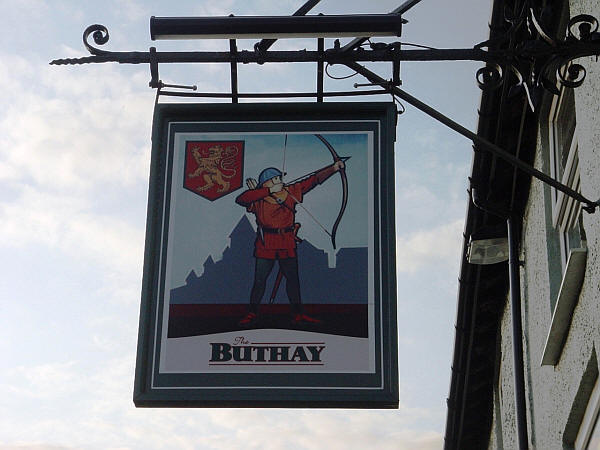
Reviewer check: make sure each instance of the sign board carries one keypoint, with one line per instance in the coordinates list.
(269, 274)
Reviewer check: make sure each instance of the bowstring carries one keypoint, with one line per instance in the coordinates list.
(294, 198)
(307, 211)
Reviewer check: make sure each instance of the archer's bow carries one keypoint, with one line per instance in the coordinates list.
(342, 172)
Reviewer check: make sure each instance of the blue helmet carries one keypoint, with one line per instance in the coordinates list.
(267, 174)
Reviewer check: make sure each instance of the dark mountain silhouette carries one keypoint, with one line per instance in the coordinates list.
(229, 280)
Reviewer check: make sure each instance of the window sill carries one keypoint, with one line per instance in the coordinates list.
(565, 304)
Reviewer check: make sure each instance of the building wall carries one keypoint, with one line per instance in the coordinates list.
(557, 395)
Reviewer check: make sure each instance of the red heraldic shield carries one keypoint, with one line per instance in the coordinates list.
(213, 169)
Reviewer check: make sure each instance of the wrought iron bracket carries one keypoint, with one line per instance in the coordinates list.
(540, 61)
(536, 62)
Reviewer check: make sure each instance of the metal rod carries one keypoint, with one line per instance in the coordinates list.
(396, 68)
(320, 48)
(485, 144)
(274, 94)
(234, 77)
(330, 56)
(178, 86)
(517, 333)
(357, 42)
(154, 80)
(265, 44)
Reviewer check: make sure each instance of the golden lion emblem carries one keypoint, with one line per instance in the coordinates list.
(216, 168)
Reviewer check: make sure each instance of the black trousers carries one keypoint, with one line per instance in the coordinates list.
(262, 270)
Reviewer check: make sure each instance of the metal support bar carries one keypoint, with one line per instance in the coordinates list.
(396, 67)
(320, 48)
(331, 56)
(178, 86)
(483, 143)
(275, 94)
(234, 77)
(265, 44)
(154, 80)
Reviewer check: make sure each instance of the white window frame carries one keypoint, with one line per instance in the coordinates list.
(565, 210)
(590, 420)
(565, 215)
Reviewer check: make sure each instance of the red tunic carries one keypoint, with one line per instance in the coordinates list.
(275, 238)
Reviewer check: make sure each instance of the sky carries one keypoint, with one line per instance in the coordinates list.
(74, 165)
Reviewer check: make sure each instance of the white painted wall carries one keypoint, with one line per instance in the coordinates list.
(553, 402)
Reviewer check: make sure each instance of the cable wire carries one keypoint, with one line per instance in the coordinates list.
(338, 78)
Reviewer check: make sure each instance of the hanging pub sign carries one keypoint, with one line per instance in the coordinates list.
(269, 274)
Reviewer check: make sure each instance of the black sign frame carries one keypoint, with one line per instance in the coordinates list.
(373, 388)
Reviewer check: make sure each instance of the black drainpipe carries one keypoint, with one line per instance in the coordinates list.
(517, 330)
(515, 304)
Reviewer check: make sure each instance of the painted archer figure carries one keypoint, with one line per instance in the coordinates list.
(274, 205)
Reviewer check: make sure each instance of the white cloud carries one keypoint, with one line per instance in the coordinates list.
(437, 246)
(83, 131)
(416, 194)
(221, 8)
(428, 138)
(18, 446)
(318, 429)
(42, 381)
(91, 407)
(68, 223)
(22, 11)
(69, 154)
(132, 10)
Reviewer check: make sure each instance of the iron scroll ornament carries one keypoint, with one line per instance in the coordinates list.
(541, 60)
(100, 35)
(342, 173)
